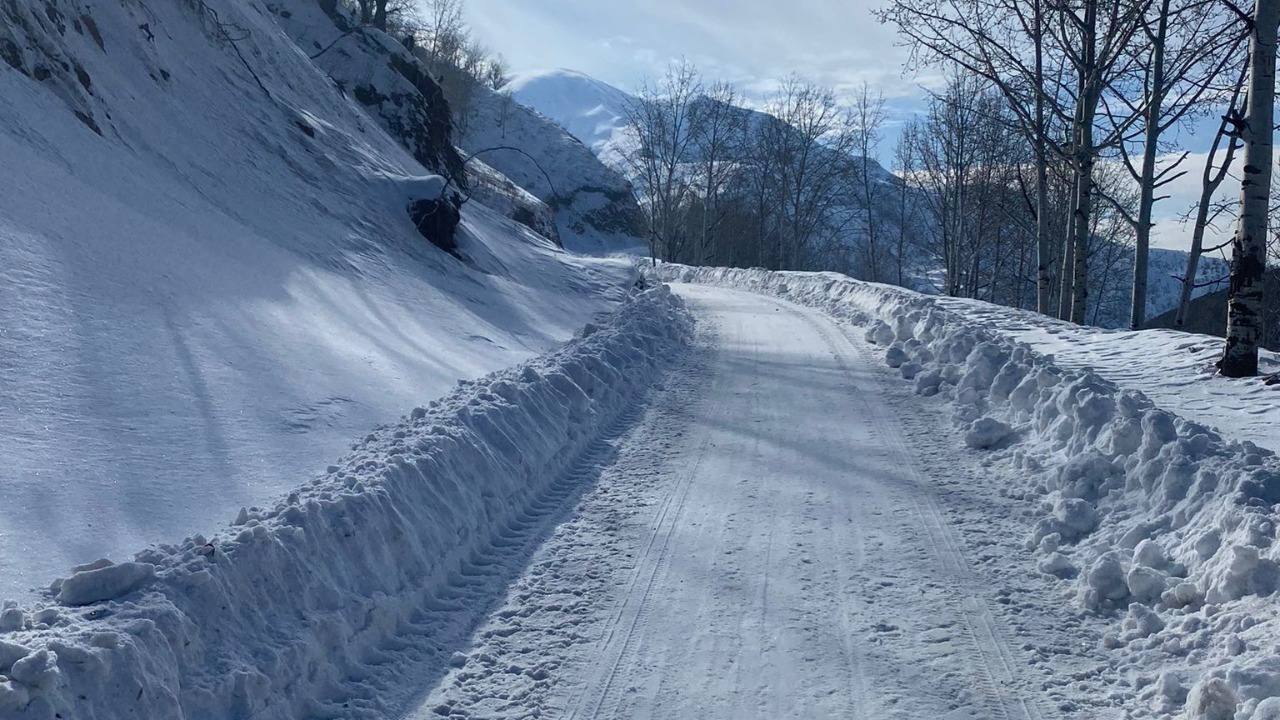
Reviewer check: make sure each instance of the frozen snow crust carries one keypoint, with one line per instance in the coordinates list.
(1157, 520)
(265, 619)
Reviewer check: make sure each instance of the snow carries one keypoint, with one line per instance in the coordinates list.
(103, 583)
(1158, 525)
(590, 110)
(290, 610)
(594, 207)
(1174, 369)
(203, 306)
(822, 498)
(768, 542)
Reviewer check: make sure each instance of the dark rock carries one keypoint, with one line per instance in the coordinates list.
(437, 221)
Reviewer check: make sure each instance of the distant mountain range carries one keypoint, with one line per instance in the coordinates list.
(595, 112)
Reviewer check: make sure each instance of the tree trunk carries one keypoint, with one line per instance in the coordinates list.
(1044, 288)
(1209, 187)
(1067, 276)
(1249, 248)
(1083, 214)
(1146, 184)
(1084, 165)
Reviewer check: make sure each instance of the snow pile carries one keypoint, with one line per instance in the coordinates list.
(263, 620)
(1174, 369)
(1148, 515)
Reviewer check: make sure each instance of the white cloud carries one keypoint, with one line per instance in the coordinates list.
(1170, 230)
(754, 42)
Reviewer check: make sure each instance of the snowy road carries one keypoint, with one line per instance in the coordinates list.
(766, 543)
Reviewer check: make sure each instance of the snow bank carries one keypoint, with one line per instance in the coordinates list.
(263, 619)
(1151, 516)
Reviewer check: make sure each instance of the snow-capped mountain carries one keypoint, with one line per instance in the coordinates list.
(592, 204)
(591, 110)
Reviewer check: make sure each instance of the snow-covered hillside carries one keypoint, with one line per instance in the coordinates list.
(209, 284)
(1109, 303)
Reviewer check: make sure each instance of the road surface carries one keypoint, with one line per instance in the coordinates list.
(766, 541)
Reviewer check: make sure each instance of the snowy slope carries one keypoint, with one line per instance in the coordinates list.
(343, 598)
(594, 208)
(204, 304)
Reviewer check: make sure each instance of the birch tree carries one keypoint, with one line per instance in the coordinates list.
(1184, 46)
(1249, 246)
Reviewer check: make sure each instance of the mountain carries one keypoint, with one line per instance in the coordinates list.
(590, 110)
(593, 207)
(1208, 312)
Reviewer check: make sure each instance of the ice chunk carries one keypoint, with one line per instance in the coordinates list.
(1146, 584)
(987, 432)
(1211, 699)
(895, 356)
(1268, 709)
(10, 654)
(1104, 583)
(104, 583)
(37, 670)
(12, 619)
(1141, 622)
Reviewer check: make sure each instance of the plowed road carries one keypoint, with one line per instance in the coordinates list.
(765, 541)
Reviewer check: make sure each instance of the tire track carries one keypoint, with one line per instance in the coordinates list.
(991, 651)
(620, 635)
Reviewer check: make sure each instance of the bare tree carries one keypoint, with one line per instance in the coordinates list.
(1093, 37)
(662, 118)
(868, 117)
(1211, 179)
(445, 35)
(719, 134)
(1003, 42)
(1183, 48)
(808, 160)
(906, 166)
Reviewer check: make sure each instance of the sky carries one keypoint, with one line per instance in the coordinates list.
(754, 43)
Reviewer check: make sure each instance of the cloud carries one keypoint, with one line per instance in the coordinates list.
(752, 42)
(1171, 230)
